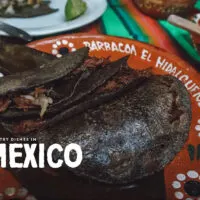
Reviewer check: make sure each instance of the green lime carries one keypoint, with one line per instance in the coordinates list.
(74, 8)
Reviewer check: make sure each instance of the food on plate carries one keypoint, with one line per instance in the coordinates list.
(164, 8)
(23, 58)
(133, 136)
(130, 137)
(99, 84)
(130, 124)
(24, 8)
(74, 9)
(32, 79)
(67, 91)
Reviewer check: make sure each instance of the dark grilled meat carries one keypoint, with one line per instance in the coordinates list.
(23, 58)
(130, 124)
(132, 137)
(36, 77)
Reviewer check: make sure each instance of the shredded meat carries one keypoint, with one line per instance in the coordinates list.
(116, 83)
(92, 62)
(39, 91)
(126, 79)
(95, 62)
(24, 102)
(40, 96)
(4, 104)
(108, 87)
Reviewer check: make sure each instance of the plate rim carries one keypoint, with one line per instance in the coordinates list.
(91, 35)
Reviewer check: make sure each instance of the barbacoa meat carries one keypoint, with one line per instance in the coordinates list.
(131, 137)
(24, 89)
(130, 124)
(112, 81)
(79, 84)
(36, 77)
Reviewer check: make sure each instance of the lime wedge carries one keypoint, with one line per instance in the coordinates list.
(74, 8)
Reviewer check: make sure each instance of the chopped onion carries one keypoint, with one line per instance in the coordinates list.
(42, 100)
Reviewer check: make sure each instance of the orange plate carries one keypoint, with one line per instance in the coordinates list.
(186, 165)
